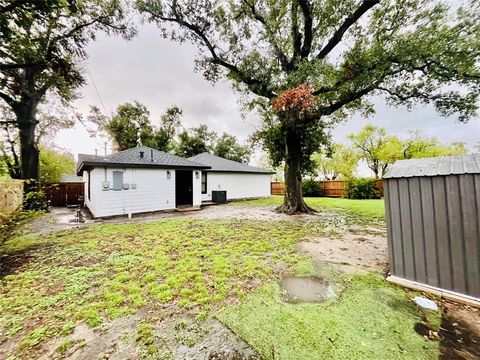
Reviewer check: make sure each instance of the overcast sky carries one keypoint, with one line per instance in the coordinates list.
(159, 73)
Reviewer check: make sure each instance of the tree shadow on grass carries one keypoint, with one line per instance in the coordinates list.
(13, 261)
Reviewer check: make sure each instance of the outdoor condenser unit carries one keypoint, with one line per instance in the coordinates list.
(219, 196)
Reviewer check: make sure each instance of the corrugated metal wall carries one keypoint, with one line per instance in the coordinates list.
(434, 230)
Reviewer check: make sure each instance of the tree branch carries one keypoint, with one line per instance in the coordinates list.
(296, 36)
(286, 65)
(307, 27)
(6, 67)
(9, 100)
(256, 86)
(15, 4)
(349, 21)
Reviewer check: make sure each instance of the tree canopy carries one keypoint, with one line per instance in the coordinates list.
(228, 147)
(342, 51)
(52, 116)
(195, 141)
(380, 150)
(42, 49)
(54, 163)
(339, 161)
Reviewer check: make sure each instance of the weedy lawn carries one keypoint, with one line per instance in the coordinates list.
(225, 269)
(369, 208)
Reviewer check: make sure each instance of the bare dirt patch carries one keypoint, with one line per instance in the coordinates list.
(178, 337)
(365, 248)
(459, 332)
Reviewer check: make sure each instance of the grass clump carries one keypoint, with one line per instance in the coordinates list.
(107, 272)
(370, 320)
(371, 208)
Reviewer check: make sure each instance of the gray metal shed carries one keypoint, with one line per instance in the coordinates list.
(432, 209)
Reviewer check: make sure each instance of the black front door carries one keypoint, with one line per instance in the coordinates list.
(183, 187)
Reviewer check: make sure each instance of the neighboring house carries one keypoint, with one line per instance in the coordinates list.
(240, 181)
(139, 180)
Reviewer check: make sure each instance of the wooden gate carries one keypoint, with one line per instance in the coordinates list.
(64, 194)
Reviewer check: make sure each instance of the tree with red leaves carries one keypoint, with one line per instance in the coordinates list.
(338, 53)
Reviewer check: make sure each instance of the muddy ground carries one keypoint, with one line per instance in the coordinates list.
(60, 218)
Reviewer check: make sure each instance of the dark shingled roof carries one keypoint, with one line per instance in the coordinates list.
(219, 164)
(131, 158)
(448, 165)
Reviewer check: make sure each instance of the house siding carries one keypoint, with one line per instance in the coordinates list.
(153, 192)
(238, 185)
(197, 188)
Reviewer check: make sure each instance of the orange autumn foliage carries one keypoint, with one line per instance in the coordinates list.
(295, 101)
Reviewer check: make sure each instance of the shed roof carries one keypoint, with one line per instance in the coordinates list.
(132, 158)
(219, 164)
(70, 178)
(448, 165)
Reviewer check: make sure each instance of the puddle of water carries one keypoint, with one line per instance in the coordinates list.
(306, 289)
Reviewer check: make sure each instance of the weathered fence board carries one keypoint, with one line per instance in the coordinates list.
(11, 195)
(331, 188)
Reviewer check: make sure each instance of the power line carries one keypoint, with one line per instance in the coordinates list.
(96, 89)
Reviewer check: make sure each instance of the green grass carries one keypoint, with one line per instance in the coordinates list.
(368, 208)
(371, 320)
(109, 271)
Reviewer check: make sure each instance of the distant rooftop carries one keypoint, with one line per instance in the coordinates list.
(140, 156)
(448, 165)
(70, 178)
(219, 164)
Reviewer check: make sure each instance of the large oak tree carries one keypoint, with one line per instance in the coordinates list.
(42, 48)
(409, 51)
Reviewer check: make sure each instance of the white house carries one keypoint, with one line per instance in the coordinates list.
(139, 180)
(240, 181)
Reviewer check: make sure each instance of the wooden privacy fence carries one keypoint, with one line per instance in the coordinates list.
(331, 188)
(11, 195)
(64, 194)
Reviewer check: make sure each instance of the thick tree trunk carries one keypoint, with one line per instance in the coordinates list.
(26, 111)
(30, 158)
(293, 202)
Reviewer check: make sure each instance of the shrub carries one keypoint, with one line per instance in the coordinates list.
(35, 200)
(311, 187)
(362, 189)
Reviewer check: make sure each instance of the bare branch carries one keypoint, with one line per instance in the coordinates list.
(349, 21)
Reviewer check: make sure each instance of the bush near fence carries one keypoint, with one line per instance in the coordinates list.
(11, 195)
(331, 188)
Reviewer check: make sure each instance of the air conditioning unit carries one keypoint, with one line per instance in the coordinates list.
(219, 196)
